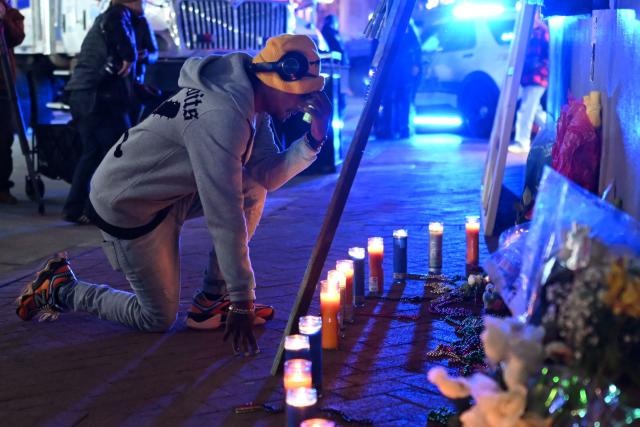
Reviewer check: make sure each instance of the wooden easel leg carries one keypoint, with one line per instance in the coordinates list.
(503, 123)
(391, 38)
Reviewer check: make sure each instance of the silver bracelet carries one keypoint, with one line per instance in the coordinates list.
(245, 311)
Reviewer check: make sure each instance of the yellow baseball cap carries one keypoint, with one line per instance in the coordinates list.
(276, 48)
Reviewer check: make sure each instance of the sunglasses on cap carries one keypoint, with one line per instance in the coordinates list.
(291, 67)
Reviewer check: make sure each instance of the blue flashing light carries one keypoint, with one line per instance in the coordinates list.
(444, 140)
(556, 22)
(439, 121)
(507, 37)
(478, 10)
(337, 124)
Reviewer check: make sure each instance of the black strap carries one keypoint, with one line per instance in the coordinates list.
(126, 233)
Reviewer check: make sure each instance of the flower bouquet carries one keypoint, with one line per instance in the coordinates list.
(579, 366)
(571, 352)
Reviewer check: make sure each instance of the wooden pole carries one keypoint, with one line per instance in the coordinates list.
(503, 123)
(390, 42)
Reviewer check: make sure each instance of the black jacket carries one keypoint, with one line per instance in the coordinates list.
(145, 39)
(334, 40)
(111, 38)
(14, 35)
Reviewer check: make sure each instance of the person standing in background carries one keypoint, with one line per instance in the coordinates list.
(332, 36)
(101, 97)
(147, 47)
(534, 82)
(400, 91)
(12, 28)
(331, 33)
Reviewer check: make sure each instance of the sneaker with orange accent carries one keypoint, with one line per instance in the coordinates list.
(207, 314)
(42, 296)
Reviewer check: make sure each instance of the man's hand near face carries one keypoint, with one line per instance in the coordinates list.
(318, 105)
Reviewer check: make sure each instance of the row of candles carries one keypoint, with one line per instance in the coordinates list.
(343, 290)
(303, 373)
(344, 287)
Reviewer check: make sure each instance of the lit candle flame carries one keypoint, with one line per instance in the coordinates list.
(436, 227)
(296, 342)
(301, 397)
(375, 244)
(400, 233)
(357, 253)
(309, 325)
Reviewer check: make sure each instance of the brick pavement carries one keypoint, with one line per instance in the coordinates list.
(82, 371)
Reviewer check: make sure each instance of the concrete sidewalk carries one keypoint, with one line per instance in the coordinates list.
(84, 371)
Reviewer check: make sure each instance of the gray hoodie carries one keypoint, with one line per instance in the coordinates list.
(200, 140)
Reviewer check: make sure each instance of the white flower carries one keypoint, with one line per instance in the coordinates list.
(481, 385)
(453, 388)
(527, 346)
(504, 409)
(495, 339)
(518, 347)
(494, 407)
(502, 338)
(474, 418)
(515, 372)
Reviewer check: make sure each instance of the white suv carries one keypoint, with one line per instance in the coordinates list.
(467, 58)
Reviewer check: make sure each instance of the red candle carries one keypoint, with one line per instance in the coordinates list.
(472, 228)
(375, 247)
(341, 280)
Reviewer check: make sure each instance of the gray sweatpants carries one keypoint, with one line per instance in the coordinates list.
(151, 264)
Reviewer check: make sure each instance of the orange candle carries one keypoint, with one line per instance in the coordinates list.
(329, 308)
(339, 277)
(346, 266)
(436, 230)
(318, 422)
(375, 247)
(297, 373)
(472, 228)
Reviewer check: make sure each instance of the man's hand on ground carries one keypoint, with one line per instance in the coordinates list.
(240, 328)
